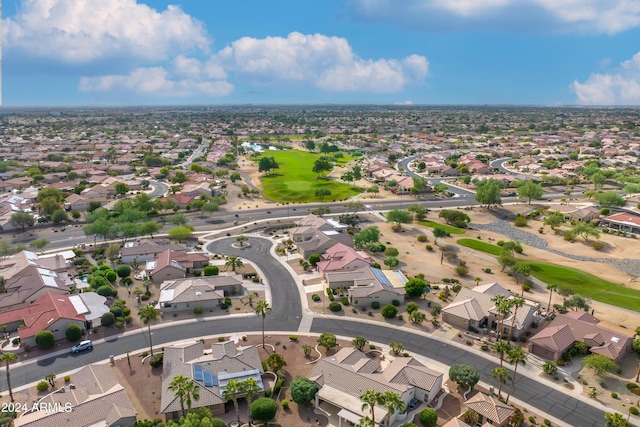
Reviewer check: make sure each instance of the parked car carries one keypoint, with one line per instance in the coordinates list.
(83, 345)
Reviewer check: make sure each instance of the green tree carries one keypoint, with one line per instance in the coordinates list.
(428, 417)
(601, 365)
(275, 362)
(7, 358)
(147, 314)
(264, 409)
(610, 198)
(178, 219)
(370, 399)
(399, 217)
(439, 232)
(396, 347)
(39, 244)
(359, 342)
(501, 348)
(149, 228)
(501, 374)
(530, 190)
(302, 390)
(554, 219)
(419, 212)
(327, 340)
(232, 392)
(464, 375)
(488, 192)
(550, 367)
(455, 217)
(367, 236)
(250, 388)
(185, 389)
(598, 179)
(234, 262)
(180, 233)
(551, 287)
(322, 165)
(576, 302)
(235, 177)
(506, 259)
(314, 259)
(261, 309)
(393, 403)
(121, 188)
(49, 205)
(322, 193)
(22, 220)
(415, 287)
(389, 311)
(516, 303)
(123, 270)
(515, 356)
(45, 340)
(209, 208)
(585, 230)
(616, 419)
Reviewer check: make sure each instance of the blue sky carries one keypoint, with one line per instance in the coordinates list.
(158, 52)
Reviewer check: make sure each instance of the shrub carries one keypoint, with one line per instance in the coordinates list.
(285, 404)
(631, 386)
(597, 245)
(126, 311)
(293, 338)
(423, 238)
(520, 221)
(391, 261)
(487, 270)
(73, 332)
(375, 305)
(428, 247)
(633, 410)
(335, 306)
(546, 422)
(315, 297)
(107, 319)
(117, 311)
(389, 311)
(411, 306)
(428, 417)
(197, 273)
(391, 252)
(105, 291)
(264, 409)
(67, 378)
(532, 420)
(45, 340)
(197, 310)
(156, 360)
(119, 324)
(614, 395)
(344, 301)
(42, 386)
(211, 270)
(526, 287)
(456, 288)
(462, 270)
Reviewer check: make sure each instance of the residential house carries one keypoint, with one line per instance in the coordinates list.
(182, 200)
(211, 372)
(341, 257)
(367, 284)
(76, 202)
(577, 213)
(147, 249)
(474, 308)
(566, 329)
(93, 398)
(622, 221)
(489, 409)
(206, 292)
(170, 264)
(28, 284)
(345, 376)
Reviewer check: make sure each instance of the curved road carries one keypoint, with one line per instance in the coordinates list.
(286, 316)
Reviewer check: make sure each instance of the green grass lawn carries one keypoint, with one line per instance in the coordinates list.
(448, 228)
(294, 181)
(480, 245)
(580, 282)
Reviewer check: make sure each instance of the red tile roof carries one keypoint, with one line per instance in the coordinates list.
(45, 311)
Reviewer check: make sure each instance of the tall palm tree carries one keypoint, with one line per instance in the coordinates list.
(250, 388)
(500, 374)
(393, 403)
(551, 287)
(262, 307)
(7, 358)
(147, 314)
(185, 389)
(231, 392)
(501, 347)
(516, 302)
(234, 262)
(371, 398)
(515, 356)
(503, 308)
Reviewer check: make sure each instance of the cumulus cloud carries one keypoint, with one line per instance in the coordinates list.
(601, 16)
(621, 87)
(81, 31)
(160, 82)
(322, 61)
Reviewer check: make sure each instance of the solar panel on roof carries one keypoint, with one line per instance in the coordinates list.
(214, 380)
(197, 373)
(208, 380)
(381, 277)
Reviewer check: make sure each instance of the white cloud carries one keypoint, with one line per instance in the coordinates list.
(601, 16)
(158, 82)
(77, 31)
(325, 62)
(621, 87)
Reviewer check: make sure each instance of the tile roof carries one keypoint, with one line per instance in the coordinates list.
(555, 338)
(490, 408)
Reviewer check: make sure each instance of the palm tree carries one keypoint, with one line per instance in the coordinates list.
(231, 392)
(502, 308)
(185, 389)
(516, 302)
(262, 307)
(551, 287)
(515, 356)
(500, 374)
(147, 314)
(234, 262)
(250, 388)
(393, 403)
(7, 358)
(501, 347)
(371, 398)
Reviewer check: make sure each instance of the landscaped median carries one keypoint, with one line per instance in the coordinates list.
(580, 282)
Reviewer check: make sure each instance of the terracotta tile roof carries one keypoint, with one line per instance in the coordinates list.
(490, 408)
(46, 311)
(555, 338)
